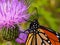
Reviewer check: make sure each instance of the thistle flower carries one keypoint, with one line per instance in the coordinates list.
(12, 12)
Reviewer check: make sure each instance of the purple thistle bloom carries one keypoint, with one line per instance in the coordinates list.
(12, 12)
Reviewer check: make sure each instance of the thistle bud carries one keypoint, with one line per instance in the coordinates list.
(10, 33)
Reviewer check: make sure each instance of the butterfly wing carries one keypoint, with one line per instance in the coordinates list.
(29, 39)
(32, 40)
(37, 39)
(53, 36)
(43, 38)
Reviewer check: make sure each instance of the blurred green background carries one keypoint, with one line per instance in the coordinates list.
(48, 12)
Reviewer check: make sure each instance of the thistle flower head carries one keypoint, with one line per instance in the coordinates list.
(12, 12)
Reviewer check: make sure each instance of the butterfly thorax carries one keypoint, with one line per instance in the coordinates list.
(34, 26)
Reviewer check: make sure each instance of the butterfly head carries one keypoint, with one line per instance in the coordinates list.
(34, 25)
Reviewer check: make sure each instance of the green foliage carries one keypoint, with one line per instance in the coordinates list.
(47, 16)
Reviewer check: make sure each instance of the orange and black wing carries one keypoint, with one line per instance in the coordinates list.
(40, 35)
(37, 39)
(44, 37)
(53, 36)
(34, 39)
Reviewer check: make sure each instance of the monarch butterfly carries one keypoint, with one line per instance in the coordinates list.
(40, 35)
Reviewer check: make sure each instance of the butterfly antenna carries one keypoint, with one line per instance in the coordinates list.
(28, 3)
(37, 15)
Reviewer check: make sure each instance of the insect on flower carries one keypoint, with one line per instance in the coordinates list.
(41, 35)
